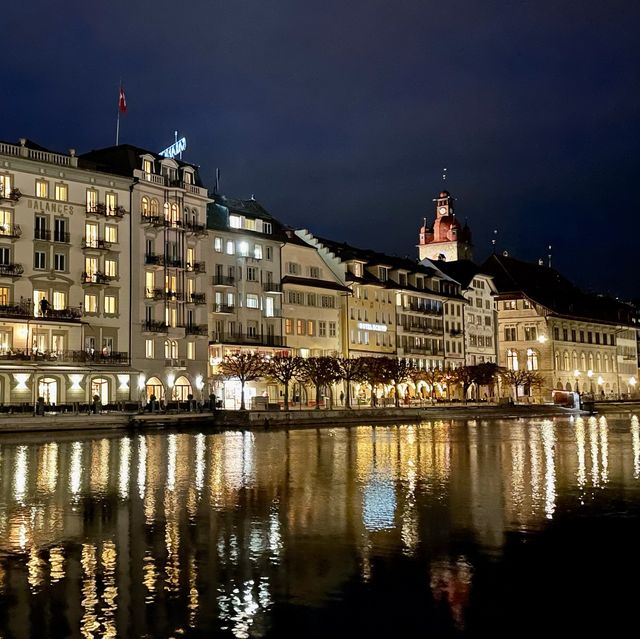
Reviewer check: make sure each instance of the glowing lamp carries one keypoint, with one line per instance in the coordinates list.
(22, 379)
(141, 381)
(75, 382)
(589, 373)
(124, 382)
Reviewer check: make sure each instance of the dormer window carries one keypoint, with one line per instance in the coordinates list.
(235, 221)
(147, 166)
(188, 176)
(357, 269)
(383, 272)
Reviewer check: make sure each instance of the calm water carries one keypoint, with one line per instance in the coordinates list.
(443, 529)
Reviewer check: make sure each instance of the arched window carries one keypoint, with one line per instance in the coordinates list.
(145, 205)
(170, 349)
(100, 387)
(591, 361)
(182, 389)
(607, 367)
(598, 362)
(556, 360)
(154, 387)
(512, 359)
(574, 359)
(48, 390)
(532, 359)
(154, 207)
(583, 362)
(174, 213)
(565, 359)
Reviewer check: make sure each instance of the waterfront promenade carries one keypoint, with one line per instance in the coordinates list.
(255, 419)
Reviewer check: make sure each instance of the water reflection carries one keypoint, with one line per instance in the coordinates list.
(158, 533)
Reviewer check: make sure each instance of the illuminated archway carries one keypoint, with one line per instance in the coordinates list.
(154, 387)
(182, 389)
(100, 387)
(48, 389)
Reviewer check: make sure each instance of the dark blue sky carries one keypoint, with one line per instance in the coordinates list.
(340, 115)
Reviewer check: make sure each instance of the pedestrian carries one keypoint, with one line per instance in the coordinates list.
(341, 398)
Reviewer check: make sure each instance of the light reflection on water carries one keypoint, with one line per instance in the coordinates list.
(215, 531)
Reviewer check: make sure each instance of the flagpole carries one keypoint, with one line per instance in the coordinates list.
(118, 127)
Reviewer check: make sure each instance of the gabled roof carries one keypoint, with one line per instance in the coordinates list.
(315, 283)
(550, 289)
(462, 271)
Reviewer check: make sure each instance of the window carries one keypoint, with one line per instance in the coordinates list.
(42, 188)
(191, 346)
(90, 303)
(92, 199)
(6, 222)
(488, 342)
(257, 251)
(235, 221)
(532, 360)
(510, 305)
(230, 247)
(111, 201)
(332, 329)
(59, 262)
(322, 329)
(288, 326)
(269, 253)
(110, 304)
(383, 273)
(510, 334)
(91, 266)
(217, 244)
(252, 274)
(148, 348)
(300, 326)
(62, 192)
(526, 304)
(512, 359)
(311, 327)
(243, 248)
(111, 268)
(295, 297)
(487, 320)
(293, 268)
(328, 301)
(565, 334)
(252, 301)
(40, 260)
(473, 340)
(487, 304)
(147, 167)
(530, 334)
(266, 226)
(4, 296)
(111, 234)
(311, 299)
(59, 300)
(582, 337)
(314, 271)
(478, 302)
(589, 337)
(40, 227)
(5, 185)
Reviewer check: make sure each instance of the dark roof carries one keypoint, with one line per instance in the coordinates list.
(552, 290)
(462, 271)
(309, 281)
(30, 144)
(123, 160)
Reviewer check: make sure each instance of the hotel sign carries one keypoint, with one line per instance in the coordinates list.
(178, 147)
(50, 207)
(380, 328)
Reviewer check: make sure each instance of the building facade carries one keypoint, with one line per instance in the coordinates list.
(64, 289)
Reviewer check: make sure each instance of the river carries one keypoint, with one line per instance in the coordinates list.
(443, 529)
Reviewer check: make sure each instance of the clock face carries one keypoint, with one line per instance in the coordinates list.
(443, 210)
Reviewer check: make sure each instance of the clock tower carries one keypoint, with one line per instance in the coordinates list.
(448, 239)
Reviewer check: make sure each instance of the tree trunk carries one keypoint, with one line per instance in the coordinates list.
(317, 396)
(348, 393)
(286, 396)
(397, 396)
(242, 406)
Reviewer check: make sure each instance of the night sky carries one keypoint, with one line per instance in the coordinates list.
(340, 115)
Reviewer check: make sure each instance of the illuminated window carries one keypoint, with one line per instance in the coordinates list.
(217, 244)
(42, 188)
(155, 207)
(252, 301)
(532, 360)
(311, 328)
(147, 167)
(5, 185)
(59, 300)
(191, 350)
(148, 348)
(257, 251)
(62, 192)
(90, 303)
(111, 234)
(4, 295)
(111, 268)
(111, 201)
(512, 359)
(300, 326)
(230, 247)
(6, 222)
(92, 199)
(235, 221)
(110, 304)
(144, 205)
(288, 326)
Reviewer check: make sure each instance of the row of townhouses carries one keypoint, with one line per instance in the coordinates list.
(123, 276)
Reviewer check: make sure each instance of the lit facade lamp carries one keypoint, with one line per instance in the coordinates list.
(542, 339)
(632, 382)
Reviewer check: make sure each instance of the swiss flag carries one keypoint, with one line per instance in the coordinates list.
(122, 102)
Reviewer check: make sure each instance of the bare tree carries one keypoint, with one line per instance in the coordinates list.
(283, 369)
(245, 366)
(376, 371)
(399, 370)
(465, 376)
(350, 369)
(319, 371)
(432, 377)
(517, 378)
(485, 375)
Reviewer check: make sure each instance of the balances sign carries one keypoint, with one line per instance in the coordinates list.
(178, 147)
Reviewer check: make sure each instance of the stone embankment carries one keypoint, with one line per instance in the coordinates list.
(220, 420)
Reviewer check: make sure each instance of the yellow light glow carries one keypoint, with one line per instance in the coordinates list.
(576, 373)
(22, 379)
(542, 339)
(124, 382)
(199, 382)
(171, 380)
(141, 382)
(23, 331)
(600, 380)
(589, 373)
(75, 382)
(632, 381)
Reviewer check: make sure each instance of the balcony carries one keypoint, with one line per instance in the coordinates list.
(195, 229)
(223, 308)
(154, 220)
(154, 326)
(113, 358)
(153, 259)
(272, 287)
(61, 237)
(11, 270)
(14, 195)
(173, 263)
(95, 244)
(425, 330)
(103, 210)
(196, 329)
(197, 267)
(12, 231)
(247, 339)
(197, 298)
(223, 280)
(96, 278)
(42, 234)
(421, 350)
(164, 294)
(420, 308)
(24, 310)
